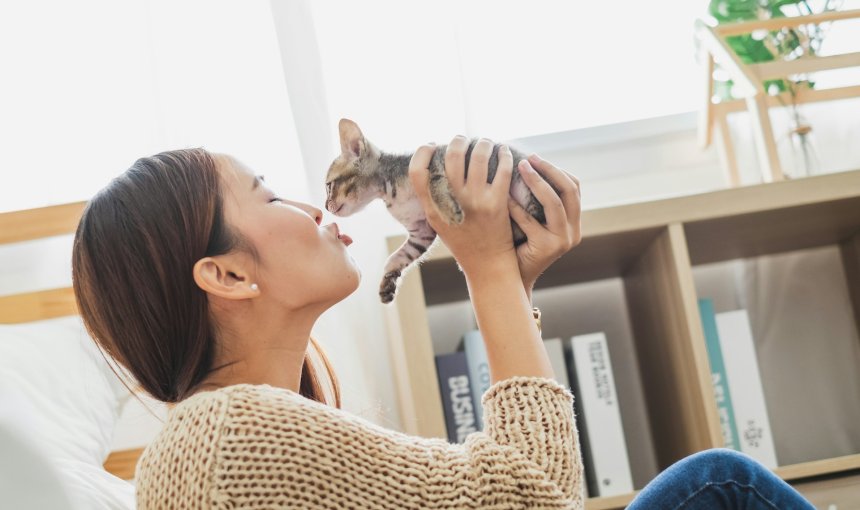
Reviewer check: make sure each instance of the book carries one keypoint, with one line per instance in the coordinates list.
(453, 375)
(555, 351)
(748, 403)
(479, 371)
(604, 446)
(718, 375)
(560, 358)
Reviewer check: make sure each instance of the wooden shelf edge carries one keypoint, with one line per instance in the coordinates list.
(611, 502)
(818, 467)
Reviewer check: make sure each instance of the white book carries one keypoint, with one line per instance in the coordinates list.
(596, 384)
(742, 373)
(555, 351)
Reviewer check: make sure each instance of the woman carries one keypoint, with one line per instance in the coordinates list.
(205, 285)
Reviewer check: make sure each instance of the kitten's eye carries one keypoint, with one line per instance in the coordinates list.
(328, 187)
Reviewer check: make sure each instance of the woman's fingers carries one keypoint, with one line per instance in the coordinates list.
(455, 163)
(419, 175)
(556, 219)
(502, 181)
(478, 164)
(529, 225)
(566, 184)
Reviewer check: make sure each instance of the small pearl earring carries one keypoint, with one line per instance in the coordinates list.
(254, 287)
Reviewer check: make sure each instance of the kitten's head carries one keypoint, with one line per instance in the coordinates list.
(349, 184)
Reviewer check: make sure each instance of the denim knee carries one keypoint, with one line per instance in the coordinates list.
(724, 464)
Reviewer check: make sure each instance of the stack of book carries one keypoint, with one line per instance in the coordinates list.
(581, 363)
(737, 383)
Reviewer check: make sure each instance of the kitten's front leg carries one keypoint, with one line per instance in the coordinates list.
(421, 236)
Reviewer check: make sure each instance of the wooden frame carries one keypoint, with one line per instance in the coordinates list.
(652, 247)
(749, 85)
(39, 223)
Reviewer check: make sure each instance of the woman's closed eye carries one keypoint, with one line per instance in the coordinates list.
(276, 199)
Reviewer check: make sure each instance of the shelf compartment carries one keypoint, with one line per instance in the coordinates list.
(596, 258)
(672, 356)
(804, 326)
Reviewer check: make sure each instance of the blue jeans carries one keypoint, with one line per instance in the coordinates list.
(718, 479)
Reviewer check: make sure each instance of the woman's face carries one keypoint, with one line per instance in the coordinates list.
(299, 262)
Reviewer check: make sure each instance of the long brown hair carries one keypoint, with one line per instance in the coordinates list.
(132, 260)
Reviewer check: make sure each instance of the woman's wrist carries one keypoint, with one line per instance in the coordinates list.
(491, 268)
(528, 286)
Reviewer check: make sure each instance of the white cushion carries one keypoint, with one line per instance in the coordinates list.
(74, 400)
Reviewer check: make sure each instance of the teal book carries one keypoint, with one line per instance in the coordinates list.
(718, 375)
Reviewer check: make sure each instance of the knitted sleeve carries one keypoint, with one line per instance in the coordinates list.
(277, 452)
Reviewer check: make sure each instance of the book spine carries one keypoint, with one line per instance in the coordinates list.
(453, 375)
(739, 357)
(479, 371)
(718, 375)
(602, 412)
(579, 417)
(555, 351)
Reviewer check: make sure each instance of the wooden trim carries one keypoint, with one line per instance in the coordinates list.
(726, 150)
(765, 145)
(611, 502)
(30, 224)
(661, 300)
(782, 68)
(790, 21)
(804, 95)
(746, 83)
(34, 306)
(122, 463)
(818, 467)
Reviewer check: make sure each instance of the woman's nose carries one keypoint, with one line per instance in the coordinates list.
(312, 211)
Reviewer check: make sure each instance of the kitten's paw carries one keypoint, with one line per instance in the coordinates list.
(388, 287)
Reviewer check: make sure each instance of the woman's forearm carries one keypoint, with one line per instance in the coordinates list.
(513, 342)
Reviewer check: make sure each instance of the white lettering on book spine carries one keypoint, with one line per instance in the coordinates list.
(742, 373)
(461, 403)
(602, 414)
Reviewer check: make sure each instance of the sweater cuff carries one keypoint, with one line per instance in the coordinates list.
(521, 392)
(512, 386)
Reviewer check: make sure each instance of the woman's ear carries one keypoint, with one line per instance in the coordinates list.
(224, 277)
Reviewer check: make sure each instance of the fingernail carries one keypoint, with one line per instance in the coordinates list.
(504, 148)
(534, 157)
(524, 166)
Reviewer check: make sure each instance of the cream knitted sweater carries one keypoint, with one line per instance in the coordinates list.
(257, 446)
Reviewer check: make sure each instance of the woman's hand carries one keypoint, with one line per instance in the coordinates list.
(563, 210)
(483, 242)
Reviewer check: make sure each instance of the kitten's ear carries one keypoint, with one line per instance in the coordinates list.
(351, 140)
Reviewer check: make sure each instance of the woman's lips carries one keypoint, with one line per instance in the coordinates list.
(345, 239)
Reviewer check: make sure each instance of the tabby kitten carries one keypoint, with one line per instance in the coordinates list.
(363, 173)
